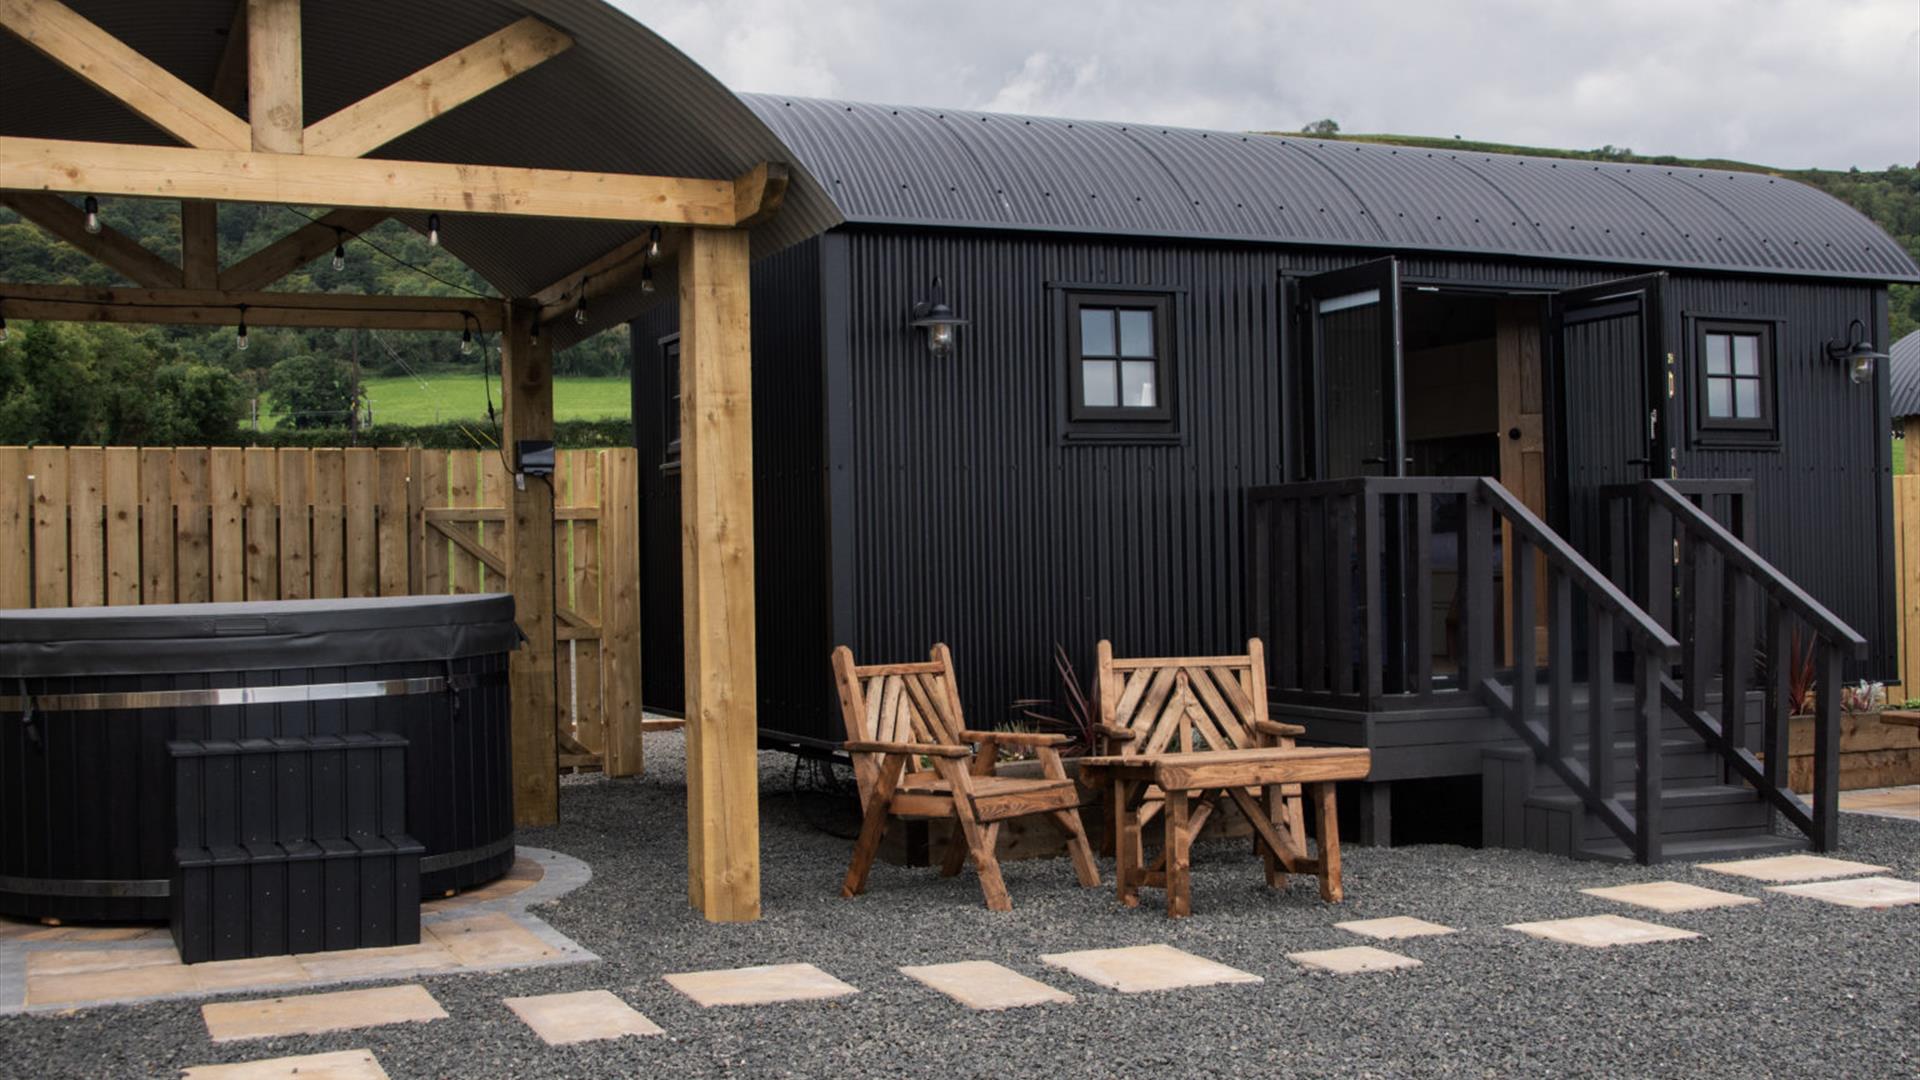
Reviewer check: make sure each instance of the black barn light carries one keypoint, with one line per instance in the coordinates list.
(1857, 353)
(939, 321)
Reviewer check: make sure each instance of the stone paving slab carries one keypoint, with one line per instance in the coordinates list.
(1602, 931)
(765, 985)
(1352, 960)
(488, 939)
(398, 961)
(154, 980)
(1897, 802)
(1671, 896)
(342, 1065)
(1867, 892)
(1145, 968)
(984, 985)
(1397, 927)
(1785, 868)
(82, 961)
(315, 1014)
(585, 1016)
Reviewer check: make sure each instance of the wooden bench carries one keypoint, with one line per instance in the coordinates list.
(915, 758)
(1180, 734)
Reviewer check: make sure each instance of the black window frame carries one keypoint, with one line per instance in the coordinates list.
(1119, 423)
(669, 348)
(1760, 431)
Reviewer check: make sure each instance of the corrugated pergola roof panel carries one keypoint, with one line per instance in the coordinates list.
(1903, 373)
(621, 100)
(1066, 175)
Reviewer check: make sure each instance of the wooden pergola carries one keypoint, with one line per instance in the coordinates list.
(246, 138)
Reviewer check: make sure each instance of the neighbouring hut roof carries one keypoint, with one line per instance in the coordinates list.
(1903, 373)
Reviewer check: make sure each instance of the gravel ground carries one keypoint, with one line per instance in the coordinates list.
(1785, 988)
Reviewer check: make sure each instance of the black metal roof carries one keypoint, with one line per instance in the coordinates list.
(1903, 373)
(953, 167)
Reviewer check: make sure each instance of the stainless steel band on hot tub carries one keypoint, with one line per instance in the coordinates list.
(138, 700)
(29, 886)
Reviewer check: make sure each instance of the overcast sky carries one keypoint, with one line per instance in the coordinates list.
(1792, 83)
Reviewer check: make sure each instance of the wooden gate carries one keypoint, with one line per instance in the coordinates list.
(83, 526)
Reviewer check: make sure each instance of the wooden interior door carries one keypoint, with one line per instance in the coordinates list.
(1523, 443)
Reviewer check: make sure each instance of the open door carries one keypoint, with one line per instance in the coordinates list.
(1612, 382)
(1351, 360)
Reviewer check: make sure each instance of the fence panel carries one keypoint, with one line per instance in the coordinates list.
(1906, 549)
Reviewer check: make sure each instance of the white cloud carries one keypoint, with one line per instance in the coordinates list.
(1786, 82)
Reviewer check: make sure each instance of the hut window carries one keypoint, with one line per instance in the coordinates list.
(1733, 385)
(1117, 360)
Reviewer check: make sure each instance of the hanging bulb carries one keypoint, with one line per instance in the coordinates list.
(466, 343)
(339, 251)
(3, 330)
(646, 279)
(93, 215)
(533, 335)
(240, 336)
(580, 305)
(653, 243)
(433, 229)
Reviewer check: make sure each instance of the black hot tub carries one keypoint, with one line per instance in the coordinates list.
(97, 703)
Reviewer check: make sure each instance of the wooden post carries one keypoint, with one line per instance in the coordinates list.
(274, 81)
(526, 381)
(716, 456)
(1910, 436)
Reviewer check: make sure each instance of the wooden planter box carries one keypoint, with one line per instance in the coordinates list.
(924, 843)
(1877, 749)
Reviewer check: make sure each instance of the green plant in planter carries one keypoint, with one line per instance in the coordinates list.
(1074, 715)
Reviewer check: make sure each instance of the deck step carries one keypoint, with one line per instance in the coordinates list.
(1697, 848)
(1684, 810)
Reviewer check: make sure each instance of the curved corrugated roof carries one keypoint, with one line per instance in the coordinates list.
(954, 167)
(621, 100)
(1903, 375)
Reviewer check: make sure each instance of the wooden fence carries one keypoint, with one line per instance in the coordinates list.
(83, 526)
(1906, 576)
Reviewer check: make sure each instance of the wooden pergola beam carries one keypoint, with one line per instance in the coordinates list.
(526, 393)
(758, 192)
(200, 244)
(209, 307)
(298, 248)
(604, 276)
(384, 116)
(633, 249)
(305, 180)
(123, 74)
(113, 249)
(276, 89)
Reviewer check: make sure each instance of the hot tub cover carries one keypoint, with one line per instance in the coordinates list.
(168, 638)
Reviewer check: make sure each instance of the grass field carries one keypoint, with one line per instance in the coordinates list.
(463, 397)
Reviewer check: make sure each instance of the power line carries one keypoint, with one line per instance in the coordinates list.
(362, 238)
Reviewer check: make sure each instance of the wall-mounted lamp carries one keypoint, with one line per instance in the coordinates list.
(941, 324)
(1857, 353)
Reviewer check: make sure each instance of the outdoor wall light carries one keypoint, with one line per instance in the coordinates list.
(939, 321)
(1858, 354)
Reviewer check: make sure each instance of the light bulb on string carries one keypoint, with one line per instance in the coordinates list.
(240, 335)
(3, 330)
(433, 230)
(646, 279)
(339, 251)
(580, 305)
(466, 343)
(93, 215)
(653, 242)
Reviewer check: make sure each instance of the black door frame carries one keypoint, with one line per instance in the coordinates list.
(1644, 294)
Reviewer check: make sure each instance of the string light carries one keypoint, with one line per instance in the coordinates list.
(339, 250)
(433, 230)
(93, 215)
(3, 329)
(240, 336)
(646, 278)
(580, 305)
(653, 243)
(466, 342)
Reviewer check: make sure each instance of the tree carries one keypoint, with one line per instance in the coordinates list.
(314, 391)
(195, 405)
(1322, 127)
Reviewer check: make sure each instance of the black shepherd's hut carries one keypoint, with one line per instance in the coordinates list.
(1212, 384)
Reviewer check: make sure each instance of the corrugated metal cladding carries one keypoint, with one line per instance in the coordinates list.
(621, 100)
(920, 166)
(1825, 493)
(789, 507)
(1903, 369)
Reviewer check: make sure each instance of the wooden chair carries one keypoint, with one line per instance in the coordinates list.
(1180, 734)
(914, 758)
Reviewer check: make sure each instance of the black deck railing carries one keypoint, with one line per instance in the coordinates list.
(1395, 593)
(1741, 621)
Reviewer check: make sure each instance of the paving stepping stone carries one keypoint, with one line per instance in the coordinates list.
(1143, 968)
(119, 984)
(1868, 892)
(982, 984)
(1785, 868)
(1399, 926)
(1352, 960)
(313, 1014)
(1602, 931)
(586, 1016)
(341, 1065)
(766, 985)
(488, 940)
(391, 961)
(1671, 896)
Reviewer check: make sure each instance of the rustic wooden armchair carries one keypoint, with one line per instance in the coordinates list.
(915, 758)
(1180, 734)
